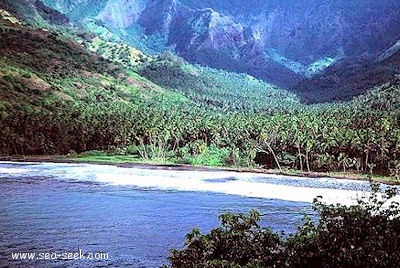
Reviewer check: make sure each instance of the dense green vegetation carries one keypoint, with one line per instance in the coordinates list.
(362, 235)
(57, 97)
(66, 91)
(229, 92)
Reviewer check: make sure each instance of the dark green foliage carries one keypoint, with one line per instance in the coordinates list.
(238, 242)
(45, 52)
(348, 78)
(353, 136)
(216, 88)
(56, 96)
(362, 235)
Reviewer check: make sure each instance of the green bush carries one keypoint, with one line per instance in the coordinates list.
(362, 235)
(198, 153)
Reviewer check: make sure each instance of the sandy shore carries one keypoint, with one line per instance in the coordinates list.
(68, 159)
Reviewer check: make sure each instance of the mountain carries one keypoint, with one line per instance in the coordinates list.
(35, 13)
(282, 42)
(54, 92)
(351, 77)
(65, 90)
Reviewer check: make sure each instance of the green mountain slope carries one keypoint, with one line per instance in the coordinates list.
(219, 89)
(64, 90)
(349, 78)
(281, 42)
(35, 13)
(51, 84)
(225, 90)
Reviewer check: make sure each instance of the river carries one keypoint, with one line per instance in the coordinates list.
(136, 214)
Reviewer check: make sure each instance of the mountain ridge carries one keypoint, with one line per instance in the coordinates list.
(353, 76)
(65, 90)
(281, 44)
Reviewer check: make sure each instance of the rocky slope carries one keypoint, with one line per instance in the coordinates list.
(281, 42)
(63, 90)
(34, 12)
(351, 76)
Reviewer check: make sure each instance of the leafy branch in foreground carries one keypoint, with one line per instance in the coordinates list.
(363, 235)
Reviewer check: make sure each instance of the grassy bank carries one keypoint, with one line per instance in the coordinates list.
(129, 159)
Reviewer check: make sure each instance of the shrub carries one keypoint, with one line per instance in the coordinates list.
(198, 153)
(362, 235)
(239, 241)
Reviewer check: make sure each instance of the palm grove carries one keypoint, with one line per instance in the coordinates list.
(65, 98)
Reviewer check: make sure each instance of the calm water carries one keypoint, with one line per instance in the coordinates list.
(137, 214)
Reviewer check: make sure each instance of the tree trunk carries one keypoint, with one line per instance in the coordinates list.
(275, 158)
(307, 162)
(367, 156)
(301, 160)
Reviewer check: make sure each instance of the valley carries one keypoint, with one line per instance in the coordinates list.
(123, 124)
(68, 91)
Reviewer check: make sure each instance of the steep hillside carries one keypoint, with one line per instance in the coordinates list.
(209, 87)
(281, 42)
(63, 90)
(35, 13)
(56, 96)
(351, 77)
(221, 89)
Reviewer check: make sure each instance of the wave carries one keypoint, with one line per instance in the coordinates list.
(223, 182)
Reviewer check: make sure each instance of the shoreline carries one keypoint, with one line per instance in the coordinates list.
(187, 167)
